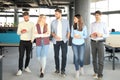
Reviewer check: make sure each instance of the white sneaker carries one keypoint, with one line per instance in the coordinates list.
(95, 76)
(77, 75)
(81, 71)
(27, 70)
(19, 73)
(99, 78)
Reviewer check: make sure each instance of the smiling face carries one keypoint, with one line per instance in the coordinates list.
(57, 15)
(26, 18)
(75, 20)
(97, 17)
(42, 18)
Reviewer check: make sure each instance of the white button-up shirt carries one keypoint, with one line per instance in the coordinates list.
(99, 27)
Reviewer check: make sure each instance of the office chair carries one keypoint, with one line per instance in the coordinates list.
(109, 50)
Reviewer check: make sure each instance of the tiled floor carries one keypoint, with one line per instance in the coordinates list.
(10, 65)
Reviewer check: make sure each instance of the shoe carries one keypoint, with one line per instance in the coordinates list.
(99, 78)
(27, 70)
(77, 75)
(57, 71)
(63, 73)
(95, 76)
(19, 73)
(82, 71)
(41, 75)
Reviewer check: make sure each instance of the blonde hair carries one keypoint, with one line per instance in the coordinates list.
(40, 17)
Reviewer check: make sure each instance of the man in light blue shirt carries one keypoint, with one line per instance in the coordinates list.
(60, 32)
(98, 33)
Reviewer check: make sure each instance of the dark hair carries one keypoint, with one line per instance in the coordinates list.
(98, 12)
(112, 30)
(58, 10)
(25, 13)
(78, 16)
(78, 26)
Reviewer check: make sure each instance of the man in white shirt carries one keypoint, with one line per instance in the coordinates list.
(60, 31)
(25, 30)
(98, 33)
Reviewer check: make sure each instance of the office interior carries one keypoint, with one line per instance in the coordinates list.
(11, 14)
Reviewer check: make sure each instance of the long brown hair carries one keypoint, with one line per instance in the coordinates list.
(79, 24)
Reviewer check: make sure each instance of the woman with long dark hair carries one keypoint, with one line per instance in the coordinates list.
(78, 34)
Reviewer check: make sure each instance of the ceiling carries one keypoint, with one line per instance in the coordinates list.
(4, 4)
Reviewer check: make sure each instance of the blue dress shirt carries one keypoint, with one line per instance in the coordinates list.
(83, 34)
(65, 29)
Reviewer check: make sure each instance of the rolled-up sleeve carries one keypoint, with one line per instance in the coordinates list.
(72, 32)
(106, 31)
(85, 32)
(68, 27)
(19, 29)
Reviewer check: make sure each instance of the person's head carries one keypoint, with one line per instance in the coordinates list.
(98, 15)
(42, 18)
(78, 21)
(26, 16)
(58, 13)
(78, 18)
(112, 30)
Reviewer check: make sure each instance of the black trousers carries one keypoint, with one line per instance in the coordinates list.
(24, 46)
(63, 46)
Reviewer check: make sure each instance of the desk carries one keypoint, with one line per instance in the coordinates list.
(9, 45)
(2, 45)
(0, 67)
(1, 50)
(112, 46)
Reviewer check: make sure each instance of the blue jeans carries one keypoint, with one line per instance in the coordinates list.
(42, 50)
(78, 51)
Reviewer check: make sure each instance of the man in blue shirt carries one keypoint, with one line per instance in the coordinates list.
(60, 32)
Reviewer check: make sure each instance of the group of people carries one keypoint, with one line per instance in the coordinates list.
(60, 31)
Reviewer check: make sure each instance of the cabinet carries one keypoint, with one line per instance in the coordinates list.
(9, 35)
(8, 29)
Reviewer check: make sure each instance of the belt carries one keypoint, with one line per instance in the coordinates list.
(25, 40)
(98, 40)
